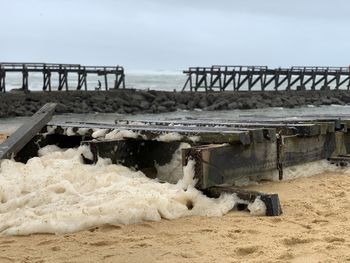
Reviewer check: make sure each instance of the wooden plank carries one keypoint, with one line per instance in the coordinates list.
(27, 131)
(273, 206)
(299, 150)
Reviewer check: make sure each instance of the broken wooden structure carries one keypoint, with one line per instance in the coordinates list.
(63, 70)
(240, 78)
(225, 151)
(21, 137)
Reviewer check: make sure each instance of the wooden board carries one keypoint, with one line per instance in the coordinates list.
(27, 131)
(218, 164)
(272, 202)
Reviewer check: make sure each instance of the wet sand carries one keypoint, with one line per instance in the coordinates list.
(314, 228)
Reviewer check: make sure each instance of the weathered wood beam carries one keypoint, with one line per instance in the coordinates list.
(225, 164)
(271, 201)
(27, 131)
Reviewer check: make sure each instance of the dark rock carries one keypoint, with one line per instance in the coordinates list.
(337, 101)
(181, 107)
(168, 103)
(325, 101)
(144, 105)
(191, 105)
(128, 110)
(232, 105)
(219, 105)
(203, 103)
(61, 108)
(161, 109)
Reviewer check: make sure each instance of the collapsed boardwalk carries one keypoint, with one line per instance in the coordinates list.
(314, 227)
(224, 151)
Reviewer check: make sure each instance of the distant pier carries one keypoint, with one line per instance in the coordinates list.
(222, 77)
(47, 69)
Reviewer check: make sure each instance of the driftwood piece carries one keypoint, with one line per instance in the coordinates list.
(27, 131)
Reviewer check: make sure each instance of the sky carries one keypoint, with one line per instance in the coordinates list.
(176, 34)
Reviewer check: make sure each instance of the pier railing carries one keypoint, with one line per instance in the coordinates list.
(47, 69)
(237, 78)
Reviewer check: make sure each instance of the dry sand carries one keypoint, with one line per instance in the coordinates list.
(314, 228)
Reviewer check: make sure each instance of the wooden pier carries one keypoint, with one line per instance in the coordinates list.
(239, 78)
(47, 69)
(225, 151)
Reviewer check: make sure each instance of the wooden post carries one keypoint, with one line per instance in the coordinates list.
(81, 78)
(24, 78)
(106, 81)
(2, 79)
(47, 78)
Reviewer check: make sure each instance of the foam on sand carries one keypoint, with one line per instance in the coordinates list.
(57, 193)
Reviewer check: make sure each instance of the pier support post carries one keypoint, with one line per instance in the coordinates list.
(25, 78)
(62, 78)
(119, 78)
(82, 79)
(106, 82)
(47, 78)
(2, 79)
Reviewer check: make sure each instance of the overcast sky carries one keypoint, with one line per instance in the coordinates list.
(175, 34)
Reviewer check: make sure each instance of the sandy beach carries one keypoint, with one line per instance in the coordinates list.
(313, 228)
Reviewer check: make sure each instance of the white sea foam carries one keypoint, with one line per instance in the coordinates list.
(83, 131)
(57, 193)
(51, 129)
(121, 134)
(169, 137)
(98, 133)
(310, 169)
(257, 208)
(69, 131)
